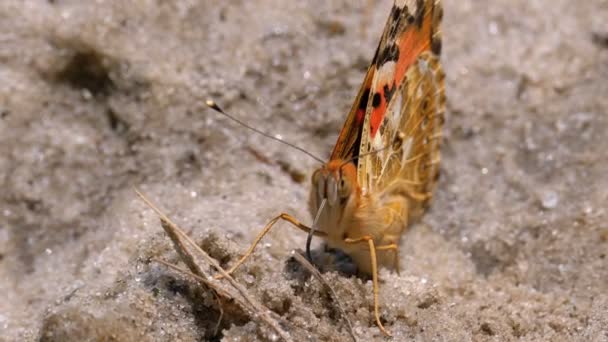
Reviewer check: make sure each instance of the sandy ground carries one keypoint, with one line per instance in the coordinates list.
(98, 97)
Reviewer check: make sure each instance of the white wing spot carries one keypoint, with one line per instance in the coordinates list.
(419, 92)
(407, 149)
(395, 110)
(423, 65)
(377, 143)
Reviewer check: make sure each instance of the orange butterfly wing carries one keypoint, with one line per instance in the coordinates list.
(347, 145)
(407, 33)
(404, 118)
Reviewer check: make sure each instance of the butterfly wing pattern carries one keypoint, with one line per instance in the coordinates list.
(404, 117)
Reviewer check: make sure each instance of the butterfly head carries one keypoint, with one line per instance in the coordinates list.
(336, 183)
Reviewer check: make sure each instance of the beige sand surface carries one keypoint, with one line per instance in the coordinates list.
(99, 96)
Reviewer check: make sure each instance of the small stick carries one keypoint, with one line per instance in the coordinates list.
(219, 319)
(217, 290)
(183, 243)
(220, 291)
(304, 262)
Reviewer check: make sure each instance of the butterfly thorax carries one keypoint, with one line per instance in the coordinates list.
(349, 213)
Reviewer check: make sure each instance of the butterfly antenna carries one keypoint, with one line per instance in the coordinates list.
(312, 230)
(211, 104)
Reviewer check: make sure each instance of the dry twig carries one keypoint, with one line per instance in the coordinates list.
(191, 253)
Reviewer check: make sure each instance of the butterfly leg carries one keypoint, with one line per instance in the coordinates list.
(269, 225)
(372, 252)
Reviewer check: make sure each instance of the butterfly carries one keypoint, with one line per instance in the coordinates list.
(385, 164)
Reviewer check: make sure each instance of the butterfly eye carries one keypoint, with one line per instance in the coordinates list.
(315, 177)
(344, 188)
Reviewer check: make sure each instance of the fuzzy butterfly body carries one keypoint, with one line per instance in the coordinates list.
(384, 165)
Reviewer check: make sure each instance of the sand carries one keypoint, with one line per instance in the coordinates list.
(97, 98)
